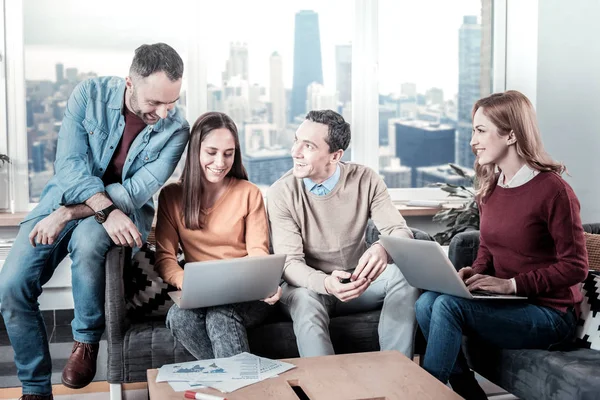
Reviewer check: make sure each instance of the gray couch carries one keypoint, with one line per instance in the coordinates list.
(137, 345)
(572, 373)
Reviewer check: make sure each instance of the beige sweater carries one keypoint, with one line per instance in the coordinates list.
(320, 234)
(236, 226)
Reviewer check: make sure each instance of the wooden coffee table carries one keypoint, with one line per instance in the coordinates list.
(384, 375)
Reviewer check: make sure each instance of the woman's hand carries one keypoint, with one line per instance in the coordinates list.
(273, 299)
(490, 284)
(465, 273)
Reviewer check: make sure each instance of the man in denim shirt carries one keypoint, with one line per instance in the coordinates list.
(119, 142)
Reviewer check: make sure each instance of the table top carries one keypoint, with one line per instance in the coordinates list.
(384, 375)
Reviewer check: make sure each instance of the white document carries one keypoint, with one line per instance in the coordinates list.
(224, 374)
(214, 370)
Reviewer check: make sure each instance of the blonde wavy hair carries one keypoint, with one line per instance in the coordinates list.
(512, 111)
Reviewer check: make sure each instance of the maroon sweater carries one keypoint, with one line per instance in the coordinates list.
(533, 233)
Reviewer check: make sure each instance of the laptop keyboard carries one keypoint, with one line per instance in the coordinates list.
(483, 293)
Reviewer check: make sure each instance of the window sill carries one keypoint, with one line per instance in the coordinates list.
(11, 220)
(409, 211)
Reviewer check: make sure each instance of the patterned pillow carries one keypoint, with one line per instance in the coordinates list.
(592, 243)
(588, 329)
(146, 294)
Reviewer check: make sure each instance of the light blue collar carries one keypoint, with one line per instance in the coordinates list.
(328, 185)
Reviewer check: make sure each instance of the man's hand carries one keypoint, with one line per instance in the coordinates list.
(490, 284)
(47, 230)
(345, 291)
(273, 299)
(122, 230)
(371, 264)
(465, 273)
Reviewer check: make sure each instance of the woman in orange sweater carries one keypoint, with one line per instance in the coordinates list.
(213, 213)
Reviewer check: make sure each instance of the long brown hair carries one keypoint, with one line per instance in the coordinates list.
(512, 111)
(192, 176)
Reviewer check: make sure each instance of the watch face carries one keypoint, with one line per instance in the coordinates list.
(100, 217)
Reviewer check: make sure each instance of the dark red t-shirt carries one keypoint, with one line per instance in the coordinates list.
(133, 126)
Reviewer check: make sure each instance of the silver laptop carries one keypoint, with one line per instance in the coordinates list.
(214, 283)
(425, 265)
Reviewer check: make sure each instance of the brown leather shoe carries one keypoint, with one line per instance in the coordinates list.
(36, 397)
(81, 367)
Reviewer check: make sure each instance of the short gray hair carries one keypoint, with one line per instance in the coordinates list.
(158, 57)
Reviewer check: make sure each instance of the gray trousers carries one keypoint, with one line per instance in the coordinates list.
(311, 312)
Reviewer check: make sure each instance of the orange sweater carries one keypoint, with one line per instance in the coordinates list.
(236, 226)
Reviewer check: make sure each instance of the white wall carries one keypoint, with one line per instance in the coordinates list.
(568, 93)
(559, 38)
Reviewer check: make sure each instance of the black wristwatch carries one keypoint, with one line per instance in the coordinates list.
(102, 215)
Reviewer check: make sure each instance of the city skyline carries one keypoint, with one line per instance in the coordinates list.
(267, 114)
(436, 42)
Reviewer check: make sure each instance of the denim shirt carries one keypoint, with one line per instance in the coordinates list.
(89, 135)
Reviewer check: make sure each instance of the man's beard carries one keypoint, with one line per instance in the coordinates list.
(135, 108)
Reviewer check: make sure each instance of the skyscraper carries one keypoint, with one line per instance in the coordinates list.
(237, 63)
(420, 144)
(469, 75)
(319, 98)
(277, 91)
(343, 72)
(307, 59)
(60, 73)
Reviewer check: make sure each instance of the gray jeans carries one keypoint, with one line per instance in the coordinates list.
(311, 312)
(216, 332)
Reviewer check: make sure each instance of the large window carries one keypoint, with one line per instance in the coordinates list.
(67, 41)
(435, 61)
(267, 69)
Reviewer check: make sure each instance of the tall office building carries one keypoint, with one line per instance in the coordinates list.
(318, 97)
(343, 72)
(469, 75)
(37, 156)
(258, 136)
(277, 91)
(421, 144)
(408, 89)
(72, 74)
(267, 165)
(60, 73)
(386, 112)
(396, 175)
(237, 63)
(435, 96)
(307, 59)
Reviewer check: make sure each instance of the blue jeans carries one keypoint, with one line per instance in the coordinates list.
(24, 272)
(506, 324)
(216, 332)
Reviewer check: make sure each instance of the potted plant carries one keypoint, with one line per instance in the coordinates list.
(4, 160)
(458, 219)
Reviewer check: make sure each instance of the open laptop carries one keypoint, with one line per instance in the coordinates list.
(425, 265)
(214, 283)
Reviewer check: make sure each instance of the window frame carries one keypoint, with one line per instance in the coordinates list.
(365, 91)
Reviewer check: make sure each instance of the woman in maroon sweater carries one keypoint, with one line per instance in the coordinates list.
(532, 244)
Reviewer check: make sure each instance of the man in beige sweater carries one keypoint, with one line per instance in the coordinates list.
(318, 213)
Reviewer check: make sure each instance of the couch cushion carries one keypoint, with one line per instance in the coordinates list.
(146, 294)
(538, 374)
(588, 326)
(592, 243)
